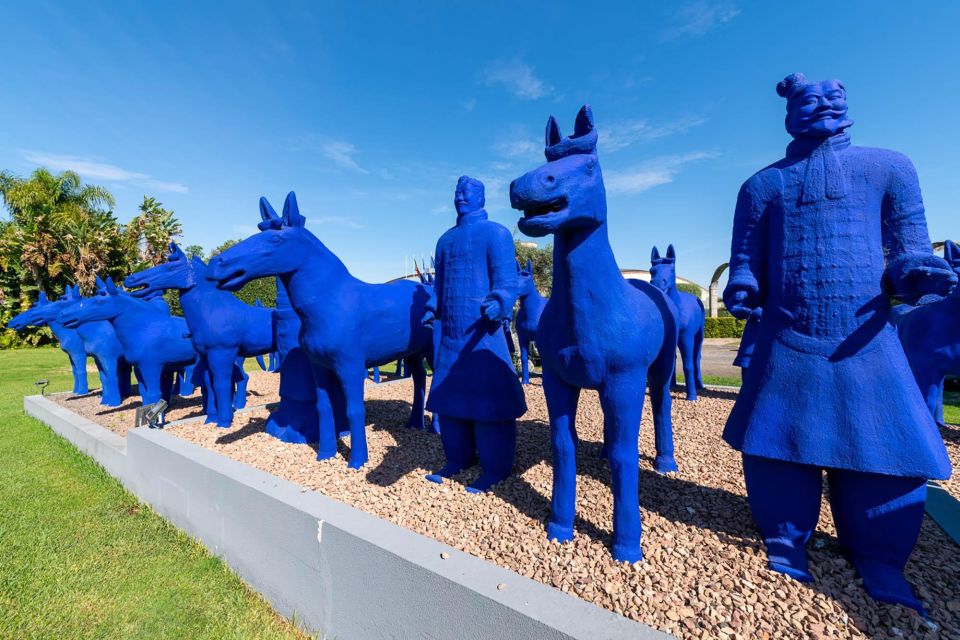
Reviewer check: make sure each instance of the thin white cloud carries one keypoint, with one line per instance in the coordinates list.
(93, 169)
(346, 222)
(620, 135)
(341, 153)
(700, 17)
(517, 77)
(518, 148)
(652, 173)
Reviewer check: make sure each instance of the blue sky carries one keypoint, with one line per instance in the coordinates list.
(370, 111)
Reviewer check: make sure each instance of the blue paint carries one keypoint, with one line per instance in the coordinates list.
(348, 325)
(930, 334)
(820, 239)
(688, 313)
(223, 329)
(528, 316)
(44, 313)
(598, 331)
(475, 389)
(155, 343)
(98, 339)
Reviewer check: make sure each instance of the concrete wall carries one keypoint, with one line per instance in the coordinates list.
(341, 571)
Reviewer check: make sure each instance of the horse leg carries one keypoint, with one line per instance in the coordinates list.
(351, 377)
(938, 416)
(78, 364)
(186, 380)
(110, 377)
(221, 365)
(659, 376)
(621, 398)
(326, 385)
(123, 377)
(166, 384)
(524, 364)
(414, 365)
(697, 351)
(376, 375)
(562, 400)
(241, 378)
(689, 371)
(150, 389)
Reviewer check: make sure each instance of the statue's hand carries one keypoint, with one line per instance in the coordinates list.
(742, 302)
(490, 308)
(925, 281)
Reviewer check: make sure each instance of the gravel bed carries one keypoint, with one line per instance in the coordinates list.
(704, 574)
(951, 438)
(262, 388)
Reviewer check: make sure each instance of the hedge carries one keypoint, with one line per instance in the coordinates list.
(728, 327)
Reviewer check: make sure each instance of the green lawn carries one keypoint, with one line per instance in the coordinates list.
(951, 407)
(81, 558)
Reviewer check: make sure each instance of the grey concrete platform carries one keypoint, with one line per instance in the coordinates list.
(341, 572)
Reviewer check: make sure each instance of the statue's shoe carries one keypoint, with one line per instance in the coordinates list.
(886, 583)
(785, 558)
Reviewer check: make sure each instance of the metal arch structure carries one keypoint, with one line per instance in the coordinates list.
(714, 283)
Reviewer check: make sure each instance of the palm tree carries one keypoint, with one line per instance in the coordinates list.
(49, 215)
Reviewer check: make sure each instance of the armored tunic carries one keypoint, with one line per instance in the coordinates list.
(474, 377)
(818, 237)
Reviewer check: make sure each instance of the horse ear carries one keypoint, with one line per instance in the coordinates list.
(291, 212)
(266, 210)
(553, 132)
(530, 265)
(655, 254)
(584, 123)
(111, 288)
(99, 282)
(671, 254)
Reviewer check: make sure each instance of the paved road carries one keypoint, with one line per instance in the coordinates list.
(717, 357)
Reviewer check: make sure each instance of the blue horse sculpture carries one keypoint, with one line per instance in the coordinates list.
(689, 315)
(156, 344)
(930, 334)
(528, 316)
(99, 341)
(223, 329)
(598, 331)
(44, 313)
(348, 325)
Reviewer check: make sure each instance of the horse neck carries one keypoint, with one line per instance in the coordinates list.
(319, 265)
(134, 316)
(532, 300)
(204, 294)
(583, 265)
(60, 331)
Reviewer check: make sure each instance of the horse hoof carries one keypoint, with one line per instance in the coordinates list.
(434, 477)
(356, 464)
(626, 553)
(665, 464)
(326, 455)
(558, 532)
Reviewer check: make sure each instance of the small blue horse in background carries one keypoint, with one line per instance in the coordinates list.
(930, 335)
(44, 313)
(348, 325)
(156, 344)
(598, 331)
(689, 314)
(223, 329)
(528, 316)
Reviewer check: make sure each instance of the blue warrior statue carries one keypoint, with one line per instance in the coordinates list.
(821, 239)
(475, 388)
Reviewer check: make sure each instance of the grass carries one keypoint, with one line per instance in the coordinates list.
(951, 407)
(82, 558)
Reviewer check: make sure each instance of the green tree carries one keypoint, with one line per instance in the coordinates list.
(194, 250)
(148, 235)
(542, 263)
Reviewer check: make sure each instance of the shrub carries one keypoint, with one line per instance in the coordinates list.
(689, 288)
(727, 327)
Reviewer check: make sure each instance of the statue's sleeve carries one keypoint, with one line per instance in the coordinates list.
(439, 268)
(747, 248)
(906, 242)
(502, 263)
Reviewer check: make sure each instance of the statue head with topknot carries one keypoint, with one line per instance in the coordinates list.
(815, 110)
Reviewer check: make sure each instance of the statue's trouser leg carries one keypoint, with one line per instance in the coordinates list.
(496, 449)
(459, 447)
(785, 501)
(878, 520)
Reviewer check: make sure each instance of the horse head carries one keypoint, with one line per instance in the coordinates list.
(178, 272)
(278, 248)
(567, 192)
(38, 315)
(525, 283)
(663, 271)
(105, 306)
